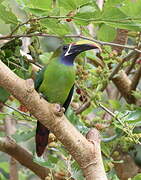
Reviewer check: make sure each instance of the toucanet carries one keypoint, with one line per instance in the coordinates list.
(56, 82)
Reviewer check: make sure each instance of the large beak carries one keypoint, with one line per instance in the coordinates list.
(84, 45)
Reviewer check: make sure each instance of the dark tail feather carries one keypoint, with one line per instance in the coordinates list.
(42, 134)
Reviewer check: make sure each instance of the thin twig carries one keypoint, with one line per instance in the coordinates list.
(35, 19)
(117, 68)
(71, 36)
(18, 66)
(111, 113)
(68, 16)
(129, 69)
(136, 79)
(104, 43)
(22, 113)
(28, 35)
(107, 110)
(36, 64)
(83, 107)
(125, 128)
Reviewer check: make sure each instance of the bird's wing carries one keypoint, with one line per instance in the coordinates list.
(68, 100)
(39, 78)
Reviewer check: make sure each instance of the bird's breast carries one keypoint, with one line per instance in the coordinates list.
(57, 83)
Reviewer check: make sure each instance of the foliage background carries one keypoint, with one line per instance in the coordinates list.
(112, 102)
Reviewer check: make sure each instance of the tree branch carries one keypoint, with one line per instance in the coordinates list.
(9, 130)
(123, 83)
(92, 174)
(83, 107)
(71, 36)
(24, 157)
(117, 68)
(49, 115)
(136, 79)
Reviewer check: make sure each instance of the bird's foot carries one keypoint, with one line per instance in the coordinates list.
(59, 110)
(41, 96)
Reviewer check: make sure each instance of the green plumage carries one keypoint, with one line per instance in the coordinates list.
(58, 79)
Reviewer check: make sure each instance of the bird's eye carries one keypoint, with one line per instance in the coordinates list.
(65, 48)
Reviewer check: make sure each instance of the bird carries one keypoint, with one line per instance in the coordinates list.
(55, 82)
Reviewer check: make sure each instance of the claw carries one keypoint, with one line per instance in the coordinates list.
(41, 95)
(59, 110)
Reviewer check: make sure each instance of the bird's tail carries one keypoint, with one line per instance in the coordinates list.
(42, 134)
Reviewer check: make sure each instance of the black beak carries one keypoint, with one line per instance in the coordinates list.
(78, 48)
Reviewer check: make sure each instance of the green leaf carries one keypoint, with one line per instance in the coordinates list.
(2, 177)
(137, 177)
(55, 27)
(115, 104)
(105, 149)
(71, 4)
(5, 166)
(50, 163)
(24, 136)
(117, 16)
(112, 175)
(86, 14)
(4, 28)
(7, 16)
(4, 95)
(131, 117)
(113, 3)
(137, 94)
(39, 4)
(106, 33)
(38, 11)
(112, 14)
(134, 115)
(132, 8)
(125, 25)
(1, 1)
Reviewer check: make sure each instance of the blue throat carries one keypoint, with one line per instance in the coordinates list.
(67, 60)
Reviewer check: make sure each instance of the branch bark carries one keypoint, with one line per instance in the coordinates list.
(70, 36)
(9, 146)
(9, 130)
(82, 150)
(136, 79)
(123, 83)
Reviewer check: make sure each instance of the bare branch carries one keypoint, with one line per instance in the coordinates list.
(129, 69)
(9, 130)
(123, 84)
(94, 137)
(104, 43)
(22, 156)
(83, 107)
(117, 68)
(22, 113)
(71, 36)
(136, 79)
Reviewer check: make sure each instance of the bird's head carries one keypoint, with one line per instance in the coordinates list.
(69, 52)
